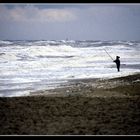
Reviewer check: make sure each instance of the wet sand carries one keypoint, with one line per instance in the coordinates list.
(85, 107)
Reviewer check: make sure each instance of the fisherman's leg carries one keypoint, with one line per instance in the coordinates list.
(118, 69)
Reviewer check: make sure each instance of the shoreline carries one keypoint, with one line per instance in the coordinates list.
(85, 107)
(75, 87)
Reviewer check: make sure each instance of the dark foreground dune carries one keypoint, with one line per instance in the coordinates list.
(86, 107)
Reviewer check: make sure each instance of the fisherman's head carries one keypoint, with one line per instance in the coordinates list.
(117, 57)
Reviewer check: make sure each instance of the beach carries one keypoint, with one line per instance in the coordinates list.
(84, 107)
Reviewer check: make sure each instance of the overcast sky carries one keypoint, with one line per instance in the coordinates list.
(72, 21)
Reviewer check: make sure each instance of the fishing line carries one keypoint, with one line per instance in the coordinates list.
(108, 54)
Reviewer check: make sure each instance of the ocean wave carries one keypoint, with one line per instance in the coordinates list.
(4, 43)
(61, 50)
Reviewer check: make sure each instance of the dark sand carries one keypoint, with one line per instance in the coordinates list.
(85, 107)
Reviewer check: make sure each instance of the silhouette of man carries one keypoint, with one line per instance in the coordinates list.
(117, 61)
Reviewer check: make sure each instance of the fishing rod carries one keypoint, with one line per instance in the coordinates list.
(108, 54)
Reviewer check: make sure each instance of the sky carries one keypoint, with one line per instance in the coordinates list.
(69, 21)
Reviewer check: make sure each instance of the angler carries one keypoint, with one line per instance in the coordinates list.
(117, 61)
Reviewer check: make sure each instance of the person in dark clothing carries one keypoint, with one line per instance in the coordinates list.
(117, 61)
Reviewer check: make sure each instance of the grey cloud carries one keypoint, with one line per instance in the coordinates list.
(97, 22)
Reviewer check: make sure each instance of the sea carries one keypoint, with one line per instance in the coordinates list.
(31, 65)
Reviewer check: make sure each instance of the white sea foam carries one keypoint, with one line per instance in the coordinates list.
(35, 65)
